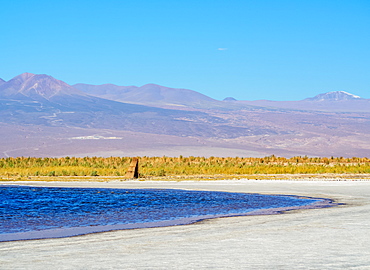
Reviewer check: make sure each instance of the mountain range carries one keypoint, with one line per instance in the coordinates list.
(337, 101)
(43, 116)
(42, 99)
(160, 96)
(149, 94)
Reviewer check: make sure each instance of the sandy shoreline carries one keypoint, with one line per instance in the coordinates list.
(329, 238)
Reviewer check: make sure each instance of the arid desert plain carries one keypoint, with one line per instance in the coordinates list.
(328, 238)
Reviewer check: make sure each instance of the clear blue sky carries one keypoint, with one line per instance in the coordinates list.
(247, 49)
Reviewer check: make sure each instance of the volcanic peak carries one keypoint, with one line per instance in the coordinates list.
(333, 96)
(37, 85)
(229, 99)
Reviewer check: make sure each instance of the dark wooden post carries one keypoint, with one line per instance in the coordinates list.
(133, 170)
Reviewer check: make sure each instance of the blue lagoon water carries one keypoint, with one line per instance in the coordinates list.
(43, 212)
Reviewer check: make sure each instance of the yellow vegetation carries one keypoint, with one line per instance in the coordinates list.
(171, 166)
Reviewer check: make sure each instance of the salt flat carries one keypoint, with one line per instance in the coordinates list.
(330, 238)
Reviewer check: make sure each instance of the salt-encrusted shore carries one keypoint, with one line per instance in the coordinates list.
(329, 238)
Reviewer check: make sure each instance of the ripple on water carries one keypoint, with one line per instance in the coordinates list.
(46, 212)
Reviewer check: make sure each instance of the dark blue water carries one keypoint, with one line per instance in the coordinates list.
(24, 209)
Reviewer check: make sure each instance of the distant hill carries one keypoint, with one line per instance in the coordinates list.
(334, 96)
(229, 99)
(1, 81)
(149, 94)
(338, 101)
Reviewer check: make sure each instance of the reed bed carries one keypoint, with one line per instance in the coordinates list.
(180, 166)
